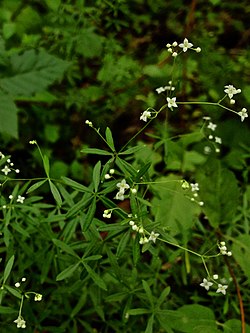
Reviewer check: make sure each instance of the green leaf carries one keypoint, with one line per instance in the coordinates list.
(109, 139)
(138, 311)
(90, 215)
(241, 253)
(46, 165)
(8, 116)
(65, 247)
(123, 243)
(95, 151)
(132, 150)
(96, 175)
(8, 268)
(67, 272)
(148, 292)
(77, 186)
(13, 292)
(126, 167)
(149, 328)
(55, 193)
(219, 190)
(32, 72)
(95, 277)
(163, 297)
(53, 4)
(7, 310)
(36, 186)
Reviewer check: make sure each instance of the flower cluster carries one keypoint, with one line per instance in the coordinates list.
(109, 175)
(230, 90)
(143, 239)
(87, 122)
(223, 249)
(19, 199)
(216, 140)
(194, 190)
(123, 186)
(220, 287)
(9, 166)
(165, 88)
(107, 213)
(185, 45)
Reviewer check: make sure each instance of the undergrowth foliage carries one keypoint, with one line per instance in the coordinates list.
(138, 248)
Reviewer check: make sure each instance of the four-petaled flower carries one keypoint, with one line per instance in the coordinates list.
(243, 114)
(206, 284)
(231, 90)
(20, 322)
(185, 45)
(145, 115)
(123, 186)
(194, 187)
(20, 199)
(153, 236)
(38, 297)
(211, 126)
(221, 289)
(172, 102)
(6, 170)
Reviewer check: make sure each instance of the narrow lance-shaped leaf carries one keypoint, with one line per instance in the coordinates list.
(96, 175)
(8, 268)
(55, 193)
(90, 215)
(95, 277)
(36, 186)
(65, 247)
(109, 139)
(67, 272)
(95, 151)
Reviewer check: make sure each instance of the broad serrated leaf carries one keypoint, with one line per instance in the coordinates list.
(32, 72)
(8, 116)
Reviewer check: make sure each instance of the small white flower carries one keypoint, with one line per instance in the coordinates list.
(218, 140)
(215, 276)
(168, 45)
(201, 203)
(135, 227)
(32, 142)
(222, 289)
(17, 171)
(2, 155)
(23, 279)
(198, 49)
(194, 187)
(112, 171)
(107, 214)
(38, 297)
(145, 115)
(123, 186)
(131, 223)
(10, 196)
(153, 236)
(141, 230)
(119, 196)
(20, 322)
(207, 150)
(174, 54)
(230, 90)
(172, 102)
(211, 126)
(174, 44)
(210, 137)
(229, 253)
(107, 176)
(20, 199)
(6, 170)
(232, 101)
(206, 284)
(160, 90)
(243, 114)
(17, 284)
(185, 45)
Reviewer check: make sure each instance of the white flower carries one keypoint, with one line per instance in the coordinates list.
(172, 102)
(107, 214)
(243, 114)
(2, 155)
(194, 187)
(119, 196)
(215, 276)
(211, 126)
(131, 223)
(107, 176)
(17, 284)
(206, 284)
(38, 297)
(160, 90)
(145, 115)
(134, 190)
(231, 90)
(87, 122)
(23, 279)
(20, 322)
(20, 199)
(185, 45)
(123, 186)
(198, 49)
(112, 171)
(218, 140)
(222, 289)
(175, 54)
(153, 236)
(6, 170)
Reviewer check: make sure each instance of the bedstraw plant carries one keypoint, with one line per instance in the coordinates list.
(154, 243)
